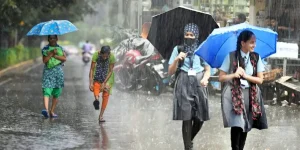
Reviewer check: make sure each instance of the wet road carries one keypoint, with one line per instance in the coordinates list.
(134, 121)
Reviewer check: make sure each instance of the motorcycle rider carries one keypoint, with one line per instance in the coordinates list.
(86, 48)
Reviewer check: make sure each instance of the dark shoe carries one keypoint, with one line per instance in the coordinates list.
(45, 113)
(96, 104)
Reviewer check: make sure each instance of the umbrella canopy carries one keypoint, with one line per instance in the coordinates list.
(222, 41)
(53, 27)
(167, 29)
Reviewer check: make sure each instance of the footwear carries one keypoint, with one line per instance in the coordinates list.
(101, 120)
(96, 104)
(53, 115)
(45, 113)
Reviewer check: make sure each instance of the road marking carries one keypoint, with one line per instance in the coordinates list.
(5, 81)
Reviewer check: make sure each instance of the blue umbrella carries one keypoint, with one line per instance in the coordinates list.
(222, 41)
(53, 27)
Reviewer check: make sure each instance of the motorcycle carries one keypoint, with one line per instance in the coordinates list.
(86, 58)
(136, 72)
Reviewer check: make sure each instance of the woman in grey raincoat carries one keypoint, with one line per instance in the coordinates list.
(190, 93)
(242, 104)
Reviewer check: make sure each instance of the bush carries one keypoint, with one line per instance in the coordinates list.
(16, 55)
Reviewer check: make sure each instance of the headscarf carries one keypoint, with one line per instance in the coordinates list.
(191, 27)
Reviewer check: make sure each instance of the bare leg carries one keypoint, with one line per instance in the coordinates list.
(54, 102)
(46, 103)
(105, 97)
(96, 97)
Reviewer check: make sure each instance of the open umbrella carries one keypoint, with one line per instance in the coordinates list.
(167, 28)
(53, 27)
(222, 41)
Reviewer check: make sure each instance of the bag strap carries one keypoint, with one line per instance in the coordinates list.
(180, 48)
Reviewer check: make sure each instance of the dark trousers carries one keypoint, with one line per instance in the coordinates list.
(190, 128)
(238, 138)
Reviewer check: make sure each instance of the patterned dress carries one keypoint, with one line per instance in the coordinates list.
(52, 77)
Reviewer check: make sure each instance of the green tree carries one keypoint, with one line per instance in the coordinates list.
(19, 16)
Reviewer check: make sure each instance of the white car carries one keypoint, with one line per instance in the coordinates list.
(71, 49)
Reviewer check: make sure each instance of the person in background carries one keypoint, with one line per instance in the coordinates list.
(241, 18)
(87, 47)
(268, 22)
(102, 77)
(285, 24)
(273, 24)
(53, 78)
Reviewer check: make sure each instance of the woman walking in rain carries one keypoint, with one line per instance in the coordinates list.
(102, 77)
(190, 102)
(53, 75)
(242, 104)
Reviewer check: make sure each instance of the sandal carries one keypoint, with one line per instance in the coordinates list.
(45, 113)
(101, 119)
(53, 115)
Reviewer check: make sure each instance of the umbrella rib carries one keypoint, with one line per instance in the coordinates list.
(57, 28)
(43, 27)
(265, 43)
(222, 46)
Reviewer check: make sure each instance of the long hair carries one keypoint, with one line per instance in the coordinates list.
(243, 37)
(52, 35)
(105, 49)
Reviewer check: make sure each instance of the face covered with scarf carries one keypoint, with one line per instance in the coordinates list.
(191, 35)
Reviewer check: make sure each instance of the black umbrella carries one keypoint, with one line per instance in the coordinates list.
(167, 28)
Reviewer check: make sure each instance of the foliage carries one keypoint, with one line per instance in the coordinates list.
(17, 54)
(94, 34)
(22, 15)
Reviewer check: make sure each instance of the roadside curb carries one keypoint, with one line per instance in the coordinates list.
(22, 64)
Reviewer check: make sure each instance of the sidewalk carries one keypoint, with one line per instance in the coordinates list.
(22, 66)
